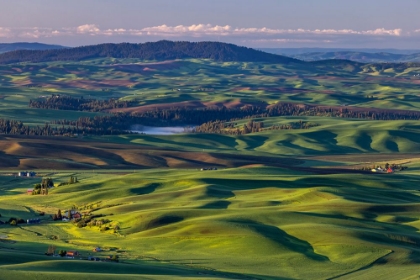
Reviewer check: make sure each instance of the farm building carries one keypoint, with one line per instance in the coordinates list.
(97, 249)
(26, 174)
(29, 191)
(72, 254)
(73, 214)
(33, 221)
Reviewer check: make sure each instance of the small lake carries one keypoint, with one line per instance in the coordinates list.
(155, 130)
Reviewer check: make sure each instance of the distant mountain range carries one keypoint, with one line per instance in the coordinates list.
(27, 46)
(358, 55)
(297, 51)
(161, 50)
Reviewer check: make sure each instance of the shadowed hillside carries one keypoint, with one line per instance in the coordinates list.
(162, 50)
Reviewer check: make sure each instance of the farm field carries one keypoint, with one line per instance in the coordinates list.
(251, 222)
(286, 201)
(208, 83)
(332, 137)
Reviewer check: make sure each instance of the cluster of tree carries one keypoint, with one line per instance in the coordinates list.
(392, 166)
(51, 250)
(290, 109)
(42, 188)
(91, 222)
(222, 127)
(60, 102)
(58, 216)
(230, 128)
(209, 120)
(162, 50)
(294, 125)
(72, 180)
(15, 221)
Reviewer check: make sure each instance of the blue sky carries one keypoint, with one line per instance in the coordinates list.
(263, 23)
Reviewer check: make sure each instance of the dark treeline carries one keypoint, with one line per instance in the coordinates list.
(13, 127)
(59, 102)
(208, 120)
(218, 119)
(231, 128)
(290, 109)
(161, 50)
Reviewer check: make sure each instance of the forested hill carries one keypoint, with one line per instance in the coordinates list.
(161, 50)
(8, 47)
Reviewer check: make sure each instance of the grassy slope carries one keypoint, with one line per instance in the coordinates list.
(331, 137)
(206, 81)
(258, 222)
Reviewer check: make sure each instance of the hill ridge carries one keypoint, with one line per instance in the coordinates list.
(160, 50)
(8, 47)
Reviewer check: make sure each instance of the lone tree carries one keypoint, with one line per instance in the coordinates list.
(51, 250)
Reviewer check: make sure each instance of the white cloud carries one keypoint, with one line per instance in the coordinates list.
(252, 35)
(4, 32)
(88, 29)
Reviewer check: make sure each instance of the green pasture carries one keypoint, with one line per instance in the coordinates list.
(331, 136)
(209, 81)
(257, 222)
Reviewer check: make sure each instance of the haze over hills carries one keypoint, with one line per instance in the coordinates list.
(161, 50)
(358, 55)
(8, 47)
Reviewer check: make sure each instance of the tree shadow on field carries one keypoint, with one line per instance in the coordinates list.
(390, 234)
(146, 189)
(365, 141)
(254, 141)
(219, 191)
(282, 238)
(221, 204)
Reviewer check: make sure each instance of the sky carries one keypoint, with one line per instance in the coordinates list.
(252, 23)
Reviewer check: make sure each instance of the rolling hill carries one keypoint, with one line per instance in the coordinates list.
(8, 47)
(161, 50)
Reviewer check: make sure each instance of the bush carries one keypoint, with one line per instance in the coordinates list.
(81, 224)
(62, 253)
(104, 228)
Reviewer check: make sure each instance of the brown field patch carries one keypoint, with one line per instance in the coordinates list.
(67, 153)
(162, 106)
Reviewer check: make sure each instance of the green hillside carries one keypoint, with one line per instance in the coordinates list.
(273, 190)
(251, 222)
